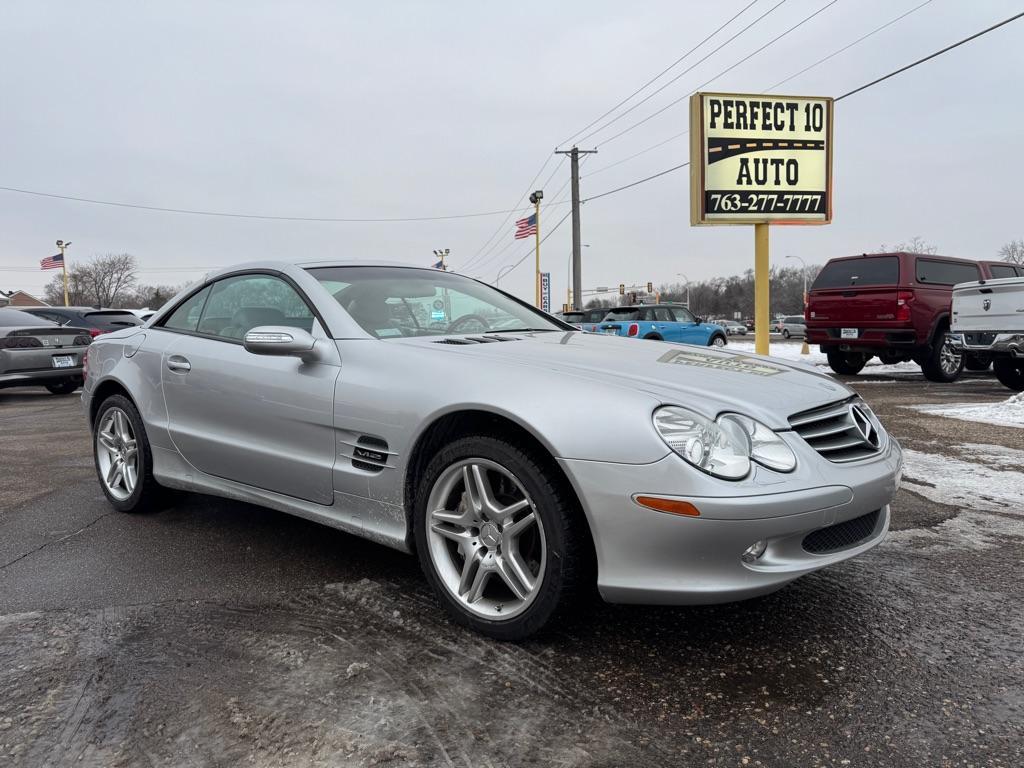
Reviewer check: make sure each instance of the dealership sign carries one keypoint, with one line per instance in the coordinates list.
(545, 291)
(757, 159)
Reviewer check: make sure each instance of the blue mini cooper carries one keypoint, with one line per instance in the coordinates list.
(661, 322)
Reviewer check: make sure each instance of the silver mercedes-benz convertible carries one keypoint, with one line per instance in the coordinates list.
(519, 458)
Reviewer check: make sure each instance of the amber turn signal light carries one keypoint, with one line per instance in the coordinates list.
(672, 506)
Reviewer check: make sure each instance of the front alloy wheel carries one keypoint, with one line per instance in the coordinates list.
(486, 539)
(500, 536)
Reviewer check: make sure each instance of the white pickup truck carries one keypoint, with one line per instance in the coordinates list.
(988, 317)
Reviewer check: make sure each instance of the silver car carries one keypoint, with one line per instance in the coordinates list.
(518, 458)
(37, 351)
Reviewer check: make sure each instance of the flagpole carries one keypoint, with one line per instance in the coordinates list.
(535, 198)
(64, 268)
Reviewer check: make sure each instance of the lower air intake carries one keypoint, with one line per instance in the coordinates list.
(841, 535)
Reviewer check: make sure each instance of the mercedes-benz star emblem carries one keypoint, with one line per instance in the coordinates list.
(863, 425)
(986, 304)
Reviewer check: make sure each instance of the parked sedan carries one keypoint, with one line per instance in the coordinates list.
(94, 319)
(520, 464)
(36, 351)
(733, 327)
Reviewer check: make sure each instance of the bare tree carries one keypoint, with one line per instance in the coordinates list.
(1013, 252)
(916, 244)
(103, 280)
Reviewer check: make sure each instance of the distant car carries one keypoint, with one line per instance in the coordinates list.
(37, 351)
(661, 322)
(792, 325)
(96, 320)
(583, 318)
(733, 327)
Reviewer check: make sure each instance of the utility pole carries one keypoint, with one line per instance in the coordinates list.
(577, 260)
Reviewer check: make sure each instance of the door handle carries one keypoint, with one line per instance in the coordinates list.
(178, 364)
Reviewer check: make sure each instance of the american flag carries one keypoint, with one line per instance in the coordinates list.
(52, 262)
(526, 227)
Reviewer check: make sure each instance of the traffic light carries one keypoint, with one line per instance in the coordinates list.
(650, 287)
(622, 289)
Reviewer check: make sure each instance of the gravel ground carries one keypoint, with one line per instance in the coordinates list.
(215, 633)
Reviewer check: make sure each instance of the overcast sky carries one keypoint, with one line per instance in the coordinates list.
(409, 109)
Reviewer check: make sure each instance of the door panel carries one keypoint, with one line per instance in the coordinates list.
(260, 420)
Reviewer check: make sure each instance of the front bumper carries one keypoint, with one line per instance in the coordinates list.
(996, 342)
(652, 557)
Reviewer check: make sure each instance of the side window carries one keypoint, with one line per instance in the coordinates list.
(999, 271)
(663, 314)
(238, 304)
(186, 316)
(945, 272)
(684, 315)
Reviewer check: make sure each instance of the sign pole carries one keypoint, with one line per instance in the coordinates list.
(761, 294)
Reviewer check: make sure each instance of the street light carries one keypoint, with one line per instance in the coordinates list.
(442, 254)
(503, 271)
(687, 281)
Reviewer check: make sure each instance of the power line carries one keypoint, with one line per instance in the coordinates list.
(749, 56)
(660, 74)
(690, 68)
(225, 214)
(484, 254)
(832, 55)
(930, 56)
(838, 98)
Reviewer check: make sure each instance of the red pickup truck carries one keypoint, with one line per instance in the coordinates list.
(895, 306)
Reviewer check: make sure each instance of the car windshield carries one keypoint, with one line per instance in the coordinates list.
(13, 318)
(398, 302)
(622, 314)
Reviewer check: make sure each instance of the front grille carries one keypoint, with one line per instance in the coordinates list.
(842, 535)
(840, 432)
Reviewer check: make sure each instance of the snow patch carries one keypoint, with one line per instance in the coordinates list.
(791, 352)
(1007, 413)
(963, 484)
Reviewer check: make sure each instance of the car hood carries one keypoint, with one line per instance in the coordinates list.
(707, 379)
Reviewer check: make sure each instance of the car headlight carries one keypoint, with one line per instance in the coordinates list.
(724, 447)
(720, 449)
(766, 447)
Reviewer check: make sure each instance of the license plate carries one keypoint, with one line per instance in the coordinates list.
(848, 333)
(63, 361)
(611, 331)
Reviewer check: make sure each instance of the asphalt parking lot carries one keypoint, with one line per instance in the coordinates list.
(215, 633)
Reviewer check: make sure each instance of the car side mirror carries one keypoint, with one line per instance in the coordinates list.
(282, 341)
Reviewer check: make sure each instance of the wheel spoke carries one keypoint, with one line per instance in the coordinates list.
(480, 579)
(475, 480)
(513, 577)
(460, 536)
(470, 572)
(113, 472)
(505, 514)
(517, 528)
(119, 427)
(129, 478)
(107, 441)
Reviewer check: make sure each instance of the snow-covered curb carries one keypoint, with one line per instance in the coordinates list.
(817, 358)
(1008, 413)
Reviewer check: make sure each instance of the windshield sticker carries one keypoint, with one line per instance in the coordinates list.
(381, 332)
(705, 360)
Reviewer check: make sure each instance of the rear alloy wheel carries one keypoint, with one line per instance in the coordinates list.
(717, 341)
(1010, 372)
(785, 333)
(943, 363)
(846, 363)
(124, 461)
(65, 387)
(497, 537)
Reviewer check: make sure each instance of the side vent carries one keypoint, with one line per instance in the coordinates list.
(370, 454)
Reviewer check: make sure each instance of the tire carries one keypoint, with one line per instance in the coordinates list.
(785, 333)
(555, 553)
(978, 361)
(942, 364)
(718, 340)
(65, 387)
(143, 494)
(652, 337)
(846, 363)
(1010, 372)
